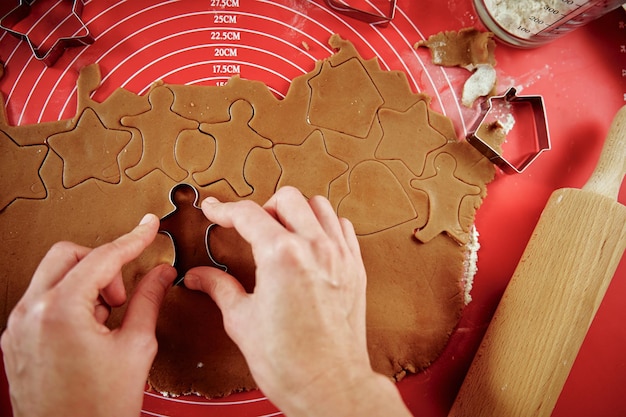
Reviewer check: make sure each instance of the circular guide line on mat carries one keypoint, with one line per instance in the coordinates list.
(199, 30)
(269, 70)
(455, 102)
(69, 66)
(215, 403)
(40, 118)
(151, 414)
(135, 48)
(255, 398)
(375, 51)
(208, 46)
(156, 43)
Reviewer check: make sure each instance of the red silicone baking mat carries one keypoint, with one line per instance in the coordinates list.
(581, 76)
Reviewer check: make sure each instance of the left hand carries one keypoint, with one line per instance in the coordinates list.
(59, 357)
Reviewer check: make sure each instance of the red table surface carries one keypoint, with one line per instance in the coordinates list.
(581, 76)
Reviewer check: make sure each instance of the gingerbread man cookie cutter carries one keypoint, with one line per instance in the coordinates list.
(188, 229)
(541, 133)
(372, 16)
(48, 56)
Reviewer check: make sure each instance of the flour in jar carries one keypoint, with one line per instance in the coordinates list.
(529, 17)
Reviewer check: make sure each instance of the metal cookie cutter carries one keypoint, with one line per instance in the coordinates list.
(188, 231)
(50, 56)
(541, 134)
(373, 16)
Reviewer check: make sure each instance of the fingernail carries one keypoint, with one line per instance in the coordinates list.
(168, 275)
(210, 201)
(190, 280)
(146, 219)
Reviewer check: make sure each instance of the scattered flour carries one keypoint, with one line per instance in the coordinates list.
(480, 84)
(470, 263)
(507, 123)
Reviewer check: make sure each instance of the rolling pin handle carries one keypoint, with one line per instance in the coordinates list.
(608, 175)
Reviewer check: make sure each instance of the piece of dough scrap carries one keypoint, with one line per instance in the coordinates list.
(471, 49)
(347, 130)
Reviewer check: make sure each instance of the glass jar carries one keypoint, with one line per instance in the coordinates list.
(531, 23)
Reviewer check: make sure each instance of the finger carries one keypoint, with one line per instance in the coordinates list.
(327, 218)
(357, 316)
(349, 235)
(101, 311)
(222, 287)
(114, 294)
(143, 307)
(252, 222)
(59, 260)
(293, 211)
(103, 265)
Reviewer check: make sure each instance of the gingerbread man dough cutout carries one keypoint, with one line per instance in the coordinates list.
(444, 208)
(234, 140)
(160, 128)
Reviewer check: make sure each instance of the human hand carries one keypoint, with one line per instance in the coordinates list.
(302, 331)
(60, 358)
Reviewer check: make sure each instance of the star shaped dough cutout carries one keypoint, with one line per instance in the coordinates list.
(90, 150)
(408, 136)
(234, 139)
(160, 128)
(444, 208)
(19, 177)
(308, 167)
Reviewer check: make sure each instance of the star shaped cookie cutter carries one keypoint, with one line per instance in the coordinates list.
(372, 17)
(49, 56)
(541, 136)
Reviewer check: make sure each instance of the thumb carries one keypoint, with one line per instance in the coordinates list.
(222, 287)
(143, 307)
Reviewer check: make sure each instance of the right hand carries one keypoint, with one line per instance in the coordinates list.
(302, 330)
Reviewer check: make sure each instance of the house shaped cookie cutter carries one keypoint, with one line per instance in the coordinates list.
(343, 6)
(50, 56)
(542, 135)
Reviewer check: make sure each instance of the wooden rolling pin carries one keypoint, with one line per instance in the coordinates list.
(542, 319)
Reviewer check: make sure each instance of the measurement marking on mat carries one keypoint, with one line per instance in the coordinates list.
(226, 35)
(225, 19)
(226, 69)
(225, 52)
(225, 3)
